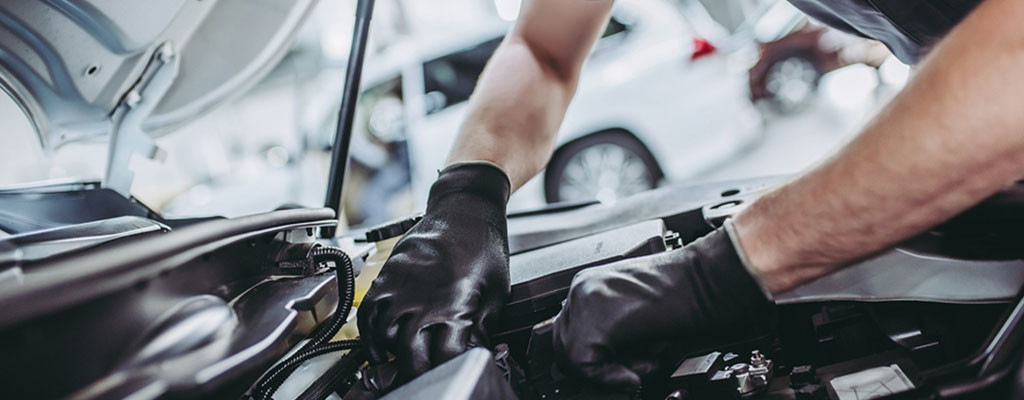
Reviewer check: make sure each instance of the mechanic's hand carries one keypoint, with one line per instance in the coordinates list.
(621, 320)
(447, 278)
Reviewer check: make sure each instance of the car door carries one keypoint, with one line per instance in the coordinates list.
(446, 83)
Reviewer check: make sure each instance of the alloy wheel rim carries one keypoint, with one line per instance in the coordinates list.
(604, 172)
(791, 82)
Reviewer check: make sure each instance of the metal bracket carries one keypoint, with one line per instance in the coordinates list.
(126, 134)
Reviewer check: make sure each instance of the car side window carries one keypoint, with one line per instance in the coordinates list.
(615, 27)
(450, 80)
(384, 111)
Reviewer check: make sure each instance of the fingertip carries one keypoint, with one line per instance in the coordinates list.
(614, 376)
(365, 316)
(377, 356)
(415, 357)
(448, 344)
(376, 334)
(644, 368)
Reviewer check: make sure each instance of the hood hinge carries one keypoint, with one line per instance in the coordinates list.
(126, 134)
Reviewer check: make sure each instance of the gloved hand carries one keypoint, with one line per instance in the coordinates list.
(447, 278)
(621, 319)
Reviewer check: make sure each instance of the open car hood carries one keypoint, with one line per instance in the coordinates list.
(71, 65)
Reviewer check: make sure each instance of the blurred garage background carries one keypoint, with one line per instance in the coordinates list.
(675, 92)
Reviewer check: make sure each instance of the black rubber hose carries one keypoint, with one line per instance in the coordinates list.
(346, 293)
(345, 278)
(275, 378)
(335, 379)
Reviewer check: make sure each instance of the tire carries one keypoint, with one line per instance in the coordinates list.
(602, 166)
(791, 81)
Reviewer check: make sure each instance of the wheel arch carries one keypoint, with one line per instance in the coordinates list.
(759, 72)
(562, 149)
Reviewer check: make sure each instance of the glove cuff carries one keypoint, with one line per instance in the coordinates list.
(728, 283)
(477, 162)
(731, 231)
(481, 179)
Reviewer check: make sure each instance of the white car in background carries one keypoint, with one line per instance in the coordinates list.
(655, 103)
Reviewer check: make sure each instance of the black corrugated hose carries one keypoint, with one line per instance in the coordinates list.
(346, 294)
(276, 378)
(320, 343)
(339, 378)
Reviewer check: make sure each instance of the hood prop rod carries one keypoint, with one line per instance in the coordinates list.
(347, 112)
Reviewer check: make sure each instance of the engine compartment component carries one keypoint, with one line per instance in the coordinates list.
(473, 375)
(193, 312)
(871, 383)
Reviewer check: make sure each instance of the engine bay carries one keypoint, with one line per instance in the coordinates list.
(150, 308)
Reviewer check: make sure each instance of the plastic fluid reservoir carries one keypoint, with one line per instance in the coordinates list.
(384, 237)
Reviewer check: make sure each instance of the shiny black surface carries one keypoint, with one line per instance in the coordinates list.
(191, 312)
(44, 207)
(38, 245)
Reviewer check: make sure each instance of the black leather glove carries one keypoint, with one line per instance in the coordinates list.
(622, 319)
(447, 278)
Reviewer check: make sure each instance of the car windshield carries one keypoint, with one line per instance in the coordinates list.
(664, 99)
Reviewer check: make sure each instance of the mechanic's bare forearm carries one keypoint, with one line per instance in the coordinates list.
(521, 97)
(953, 137)
(514, 114)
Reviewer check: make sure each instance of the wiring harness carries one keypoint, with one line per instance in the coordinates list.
(320, 343)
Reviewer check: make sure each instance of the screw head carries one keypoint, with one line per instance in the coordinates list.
(133, 98)
(165, 53)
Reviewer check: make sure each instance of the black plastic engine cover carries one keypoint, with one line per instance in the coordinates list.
(472, 375)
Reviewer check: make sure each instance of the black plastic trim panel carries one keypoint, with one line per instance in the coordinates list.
(67, 280)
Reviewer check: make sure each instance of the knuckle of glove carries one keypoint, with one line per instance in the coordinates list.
(577, 338)
(583, 358)
(591, 291)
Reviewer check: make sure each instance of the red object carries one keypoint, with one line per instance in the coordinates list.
(701, 48)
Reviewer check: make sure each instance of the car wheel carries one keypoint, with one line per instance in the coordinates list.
(791, 82)
(603, 166)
